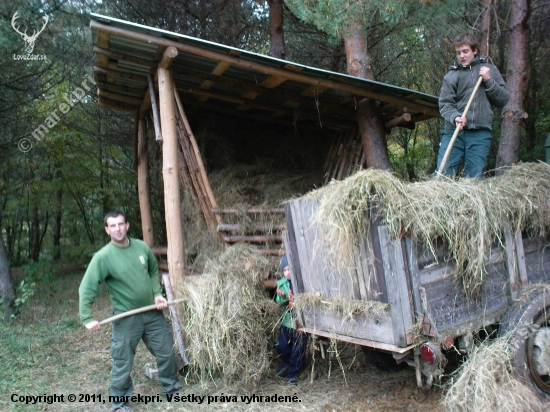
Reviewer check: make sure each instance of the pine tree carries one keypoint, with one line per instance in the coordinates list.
(350, 21)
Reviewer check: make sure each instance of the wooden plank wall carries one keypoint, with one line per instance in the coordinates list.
(447, 301)
(312, 274)
(537, 260)
(377, 328)
(398, 286)
(309, 253)
(448, 304)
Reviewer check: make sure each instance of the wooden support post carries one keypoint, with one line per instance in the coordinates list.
(175, 319)
(169, 54)
(143, 184)
(170, 176)
(155, 108)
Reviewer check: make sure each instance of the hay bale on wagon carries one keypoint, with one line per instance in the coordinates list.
(468, 215)
(227, 318)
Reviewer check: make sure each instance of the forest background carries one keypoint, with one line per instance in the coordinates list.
(55, 190)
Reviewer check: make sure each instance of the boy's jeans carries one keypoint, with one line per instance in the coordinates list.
(472, 145)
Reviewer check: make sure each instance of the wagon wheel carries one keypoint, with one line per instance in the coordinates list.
(528, 320)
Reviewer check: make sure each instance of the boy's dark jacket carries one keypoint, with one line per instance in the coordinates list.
(457, 88)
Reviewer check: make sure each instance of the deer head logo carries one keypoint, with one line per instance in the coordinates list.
(28, 39)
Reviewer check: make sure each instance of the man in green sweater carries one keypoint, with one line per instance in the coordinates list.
(130, 270)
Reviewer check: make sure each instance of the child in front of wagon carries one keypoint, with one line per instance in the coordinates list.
(292, 343)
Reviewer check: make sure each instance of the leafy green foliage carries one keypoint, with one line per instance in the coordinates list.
(41, 271)
(25, 291)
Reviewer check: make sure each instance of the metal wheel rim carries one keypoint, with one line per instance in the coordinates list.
(541, 382)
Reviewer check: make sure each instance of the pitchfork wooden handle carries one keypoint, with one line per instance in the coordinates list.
(136, 311)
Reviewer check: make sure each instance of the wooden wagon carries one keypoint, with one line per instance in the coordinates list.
(428, 310)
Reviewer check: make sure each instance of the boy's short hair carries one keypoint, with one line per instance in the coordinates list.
(114, 213)
(468, 39)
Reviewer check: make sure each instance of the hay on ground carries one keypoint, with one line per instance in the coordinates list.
(227, 318)
(469, 215)
(486, 382)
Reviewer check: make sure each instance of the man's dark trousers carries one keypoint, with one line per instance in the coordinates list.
(153, 328)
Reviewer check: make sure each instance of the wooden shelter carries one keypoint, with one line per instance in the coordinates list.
(159, 74)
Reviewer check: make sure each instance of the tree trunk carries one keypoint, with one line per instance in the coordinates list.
(35, 231)
(276, 18)
(57, 225)
(530, 122)
(7, 288)
(516, 76)
(371, 122)
(335, 58)
(486, 29)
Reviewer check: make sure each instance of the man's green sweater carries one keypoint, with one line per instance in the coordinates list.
(131, 273)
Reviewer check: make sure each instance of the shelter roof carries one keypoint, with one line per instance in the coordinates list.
(235, 82)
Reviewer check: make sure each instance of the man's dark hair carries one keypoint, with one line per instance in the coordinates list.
(468, 39)
(114, 213)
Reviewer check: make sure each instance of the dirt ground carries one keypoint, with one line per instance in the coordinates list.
(47, 351)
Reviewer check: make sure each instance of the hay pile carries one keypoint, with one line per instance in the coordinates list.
(486, 382)
(227, 318)
(468, 215)
(239, 187)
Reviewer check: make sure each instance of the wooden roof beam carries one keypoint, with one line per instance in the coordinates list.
(288, 120)
(220, 69)
(112, 104)
(115, 73)
(117, 88)
(398, 121)
(262, 68)
(249, 104)
(125, 57)
(271, 82)
(120, 97)
(237, 100)
(293, 101)
(103, 43)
